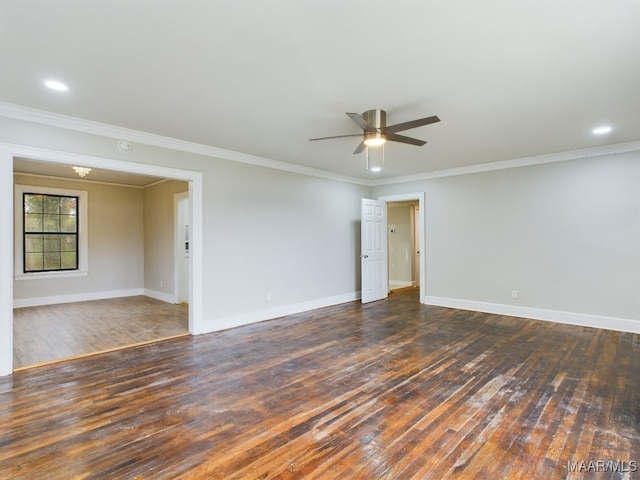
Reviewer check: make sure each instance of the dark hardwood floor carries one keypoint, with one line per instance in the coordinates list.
(392, 390)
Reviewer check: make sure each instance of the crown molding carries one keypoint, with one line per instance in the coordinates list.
(28, 114)
(515, 163)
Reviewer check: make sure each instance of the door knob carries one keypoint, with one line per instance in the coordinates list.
(364, 256)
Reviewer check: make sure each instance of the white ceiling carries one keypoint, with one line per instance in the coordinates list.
(509, 79)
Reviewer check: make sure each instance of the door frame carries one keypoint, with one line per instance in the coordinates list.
(420, 197)
(7, 153)
(179, 247)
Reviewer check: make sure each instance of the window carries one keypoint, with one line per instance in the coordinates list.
(50, 232)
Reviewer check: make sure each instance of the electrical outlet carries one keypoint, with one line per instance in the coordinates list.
(514, 294)
(269, 297)
(161, 283)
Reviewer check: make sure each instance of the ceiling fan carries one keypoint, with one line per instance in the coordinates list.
(376, 132)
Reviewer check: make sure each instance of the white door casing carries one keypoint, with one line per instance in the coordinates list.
(373, 253)
(181, 207)
(416, 245)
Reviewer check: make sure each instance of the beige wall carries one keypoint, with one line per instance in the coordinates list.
(116, 247)
(400, 244)
(159, 230)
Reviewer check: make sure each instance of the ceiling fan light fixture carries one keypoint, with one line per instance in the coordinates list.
(374, 139)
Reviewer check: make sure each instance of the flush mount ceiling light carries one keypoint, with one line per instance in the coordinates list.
(57, 86)
(374, 139)
(82, 171)
(601, 130)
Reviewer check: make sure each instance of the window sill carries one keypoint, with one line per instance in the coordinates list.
(46, 275)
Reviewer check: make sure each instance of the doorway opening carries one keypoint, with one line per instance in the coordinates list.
(403, 244)
(400, 265)
(406, 241)
(192, 279)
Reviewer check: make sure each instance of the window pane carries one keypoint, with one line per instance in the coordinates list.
(68, 206)
(51, 243)
(33, 222)
(32, 262)
(51, 223)
(67, 223)
(44, 248)
(68, 243)
(33, 243)
(32, 203)
(52, 261)
(51, 204)
(68, 260)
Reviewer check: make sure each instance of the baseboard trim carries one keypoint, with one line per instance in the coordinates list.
(165, 297)
(571, 318)
(75, 297)
(222, 323)
(393, 284)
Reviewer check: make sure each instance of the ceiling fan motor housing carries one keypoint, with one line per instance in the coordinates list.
(376, 118)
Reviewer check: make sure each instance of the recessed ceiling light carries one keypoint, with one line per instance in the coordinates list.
(601, 130)
(375, 169)
(57, 86)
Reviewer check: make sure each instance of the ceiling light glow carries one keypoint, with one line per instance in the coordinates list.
(374, 139)
(601, 130)
(57, 86)
(82, 171)
(375, 169)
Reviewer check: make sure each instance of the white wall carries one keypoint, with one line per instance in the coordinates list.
(565, 235)
(292, 236)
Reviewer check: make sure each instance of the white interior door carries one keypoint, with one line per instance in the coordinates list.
(373, 254)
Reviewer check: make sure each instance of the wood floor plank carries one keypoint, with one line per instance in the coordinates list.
(389, 390)
(50, 333)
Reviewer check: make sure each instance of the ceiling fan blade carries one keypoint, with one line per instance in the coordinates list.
(394, 137)
(362, 123)
(336, 136)
(360, 148)
(398, 127)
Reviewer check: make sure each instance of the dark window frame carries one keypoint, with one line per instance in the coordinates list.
(49, 233)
